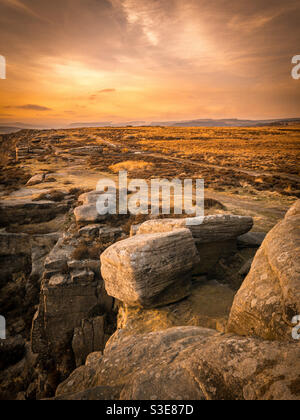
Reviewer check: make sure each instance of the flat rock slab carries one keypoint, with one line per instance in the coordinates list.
(23, 212)
(215, 228)
(150, 270)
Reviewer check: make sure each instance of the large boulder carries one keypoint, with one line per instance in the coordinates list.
(150, 270)
(270, 295)
(188, 363)
(215, 238)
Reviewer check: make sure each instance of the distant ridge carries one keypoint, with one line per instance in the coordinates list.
(227, 123)
(230, 122)
(12, 127)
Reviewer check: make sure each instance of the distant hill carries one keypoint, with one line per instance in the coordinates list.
(92, 124)
(227, 123)
(230, 122)
(8, 130)
(13, 127)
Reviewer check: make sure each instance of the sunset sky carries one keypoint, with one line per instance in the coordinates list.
(72, 61)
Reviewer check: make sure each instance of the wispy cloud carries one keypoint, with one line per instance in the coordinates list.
(107, 91)
(30, 107)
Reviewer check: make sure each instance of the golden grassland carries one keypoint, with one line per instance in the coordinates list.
(252, 159)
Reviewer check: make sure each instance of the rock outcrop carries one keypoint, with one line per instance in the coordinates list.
(72, 295)
(24, 212)
(15, 256)
(88, 214)
(188, 363)
(150, 270)
(88, 338)
(270, 295)
(214, 228)
(215, 238)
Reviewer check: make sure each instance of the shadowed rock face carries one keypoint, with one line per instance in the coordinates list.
(150, 270)
(27, 211)
(188, 363)
(207, 306)
(270, 295)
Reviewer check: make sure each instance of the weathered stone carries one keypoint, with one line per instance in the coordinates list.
(270, 295)
(58, 280)
(90, 197)
(134, 229)
(215, 238)
(211, 253)
(246, 267)
(14, 244)
(22, 212)
(88, 338)
(59, 256)
(15, 256)
(150, 270)
(63, 306)
(110, 234)
(86, 276)
(71, 292)
(189, 363)
(84, 265)
(251, 240)
(88, 214)
(36, 179)
(216, 228)
(41, 246)
(90, 231)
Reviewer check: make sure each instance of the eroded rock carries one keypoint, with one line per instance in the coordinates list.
(270, 295)
(215, 228)
(88, 338)
(189, 363)
(150, 270)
